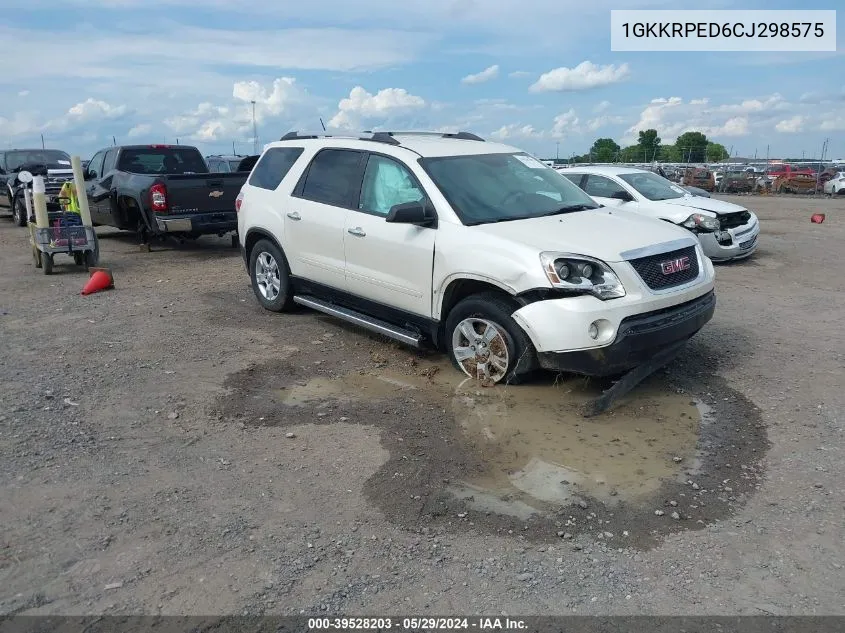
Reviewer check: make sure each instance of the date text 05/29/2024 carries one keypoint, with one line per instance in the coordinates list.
(416, 624)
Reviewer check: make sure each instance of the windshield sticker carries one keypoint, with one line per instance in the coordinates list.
(530, 161)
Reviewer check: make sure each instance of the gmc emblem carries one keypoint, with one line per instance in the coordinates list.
(675, 265)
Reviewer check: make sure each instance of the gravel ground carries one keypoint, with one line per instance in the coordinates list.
(168, 447)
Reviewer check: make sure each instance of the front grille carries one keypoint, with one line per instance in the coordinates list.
(651, 268)
(733, 220)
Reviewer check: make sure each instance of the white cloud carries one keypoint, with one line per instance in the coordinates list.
(93, 109)
(603, 121)
(517, 131)
(791, 125)
(601, 106)
(584, 76)
(565, 124)
(485, 75)
(386, 103)
(673, 116)
(833, 122)
(23, 93)
(142, 129)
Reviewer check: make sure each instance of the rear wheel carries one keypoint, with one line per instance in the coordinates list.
(19, 211)
(270, 277)
(486, 344)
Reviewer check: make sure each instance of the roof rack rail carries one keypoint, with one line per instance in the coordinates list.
(466, 136)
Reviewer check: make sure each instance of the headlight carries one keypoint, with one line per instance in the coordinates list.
(701, 222)
(581, 275)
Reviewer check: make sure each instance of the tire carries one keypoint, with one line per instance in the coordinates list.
(19, 212)
(78, 258)
(480, 312)
(47, 263)
(270, 276)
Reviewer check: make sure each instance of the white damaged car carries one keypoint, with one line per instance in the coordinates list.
(726, 231)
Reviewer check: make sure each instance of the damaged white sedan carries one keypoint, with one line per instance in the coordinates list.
(726, 231)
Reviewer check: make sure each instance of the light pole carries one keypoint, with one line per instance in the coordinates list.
(254, 131)
(557, 152)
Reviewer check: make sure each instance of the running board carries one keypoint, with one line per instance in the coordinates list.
(402, 335)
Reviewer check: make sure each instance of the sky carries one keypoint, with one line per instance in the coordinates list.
(537, 74)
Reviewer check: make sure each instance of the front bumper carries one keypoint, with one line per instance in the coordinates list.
(638, 339)
(199, 223)
(743, 242)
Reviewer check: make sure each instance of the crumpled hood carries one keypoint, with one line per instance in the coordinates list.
(601, 233)
(717, 207)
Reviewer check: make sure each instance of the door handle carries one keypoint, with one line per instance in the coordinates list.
(294, 216)
(357, 231)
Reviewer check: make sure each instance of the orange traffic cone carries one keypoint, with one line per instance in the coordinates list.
(817, 218)
(101, 279)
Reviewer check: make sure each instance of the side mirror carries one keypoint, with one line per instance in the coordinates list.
(87, 175)
(420, 213)
(622, 195)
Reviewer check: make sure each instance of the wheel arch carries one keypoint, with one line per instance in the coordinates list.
(459, 287)
(255, 235)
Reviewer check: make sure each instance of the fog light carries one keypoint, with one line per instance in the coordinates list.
(593, 331)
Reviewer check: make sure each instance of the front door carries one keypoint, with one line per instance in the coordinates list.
(94, 189)
(385, 262)
(601, 189)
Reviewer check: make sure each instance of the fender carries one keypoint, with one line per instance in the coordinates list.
(440, 291)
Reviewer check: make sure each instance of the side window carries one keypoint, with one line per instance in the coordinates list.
(110, 160)
(387, 183)
(333, 177)
(223, 167)
(600, 186)
(273, 166)
(575, 179)
(95, 167)
(213, 166)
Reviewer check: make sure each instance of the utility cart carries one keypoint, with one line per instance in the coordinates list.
(64, 233)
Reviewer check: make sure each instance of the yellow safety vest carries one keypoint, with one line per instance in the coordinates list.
(68, 198)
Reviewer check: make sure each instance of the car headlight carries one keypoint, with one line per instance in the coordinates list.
(701, 222)
(581, 275)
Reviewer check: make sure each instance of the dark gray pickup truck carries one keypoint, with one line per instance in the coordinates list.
(160, 190)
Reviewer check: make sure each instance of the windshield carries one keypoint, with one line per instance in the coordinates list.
(485, 188)
(653, 187)
(162, 160)
(51, 158)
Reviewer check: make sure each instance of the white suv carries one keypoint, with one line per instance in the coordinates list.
(477, 248)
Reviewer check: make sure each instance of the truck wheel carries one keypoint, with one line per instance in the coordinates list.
(485, 343)
(270, 277)
(19, 211)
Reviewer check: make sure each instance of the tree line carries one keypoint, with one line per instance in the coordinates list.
(690, 147)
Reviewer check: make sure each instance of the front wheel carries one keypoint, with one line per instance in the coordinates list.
(270, 277)
(486, 344)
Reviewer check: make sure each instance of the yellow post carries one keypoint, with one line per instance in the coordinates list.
(39, 202)
(82, 196)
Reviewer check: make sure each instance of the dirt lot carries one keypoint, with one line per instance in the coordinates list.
(169, 447)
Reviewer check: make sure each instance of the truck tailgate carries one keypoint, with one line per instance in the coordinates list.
(202, 193)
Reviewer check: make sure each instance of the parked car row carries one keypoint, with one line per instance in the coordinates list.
(442, 240)
(154, 190)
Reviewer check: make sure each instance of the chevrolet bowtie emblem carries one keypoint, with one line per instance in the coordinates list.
(215, 194)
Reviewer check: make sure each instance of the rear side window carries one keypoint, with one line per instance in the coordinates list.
(333, 177)
(274, 166)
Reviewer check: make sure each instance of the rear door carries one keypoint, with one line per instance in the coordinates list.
(315, 219)
(389, 263)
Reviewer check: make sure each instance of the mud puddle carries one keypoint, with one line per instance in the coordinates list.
(534, 444)
(522, 457)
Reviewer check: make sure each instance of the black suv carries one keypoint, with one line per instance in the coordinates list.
(53, 164)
